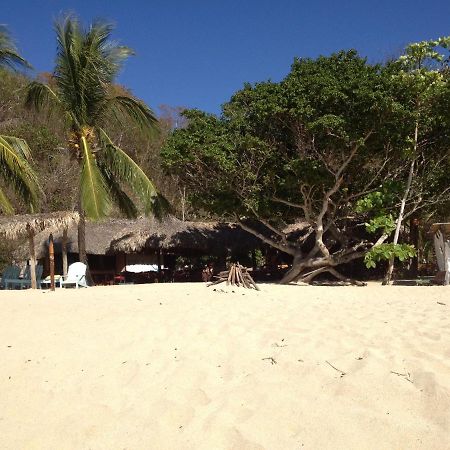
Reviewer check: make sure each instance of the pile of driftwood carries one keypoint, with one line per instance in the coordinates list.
(237, 275)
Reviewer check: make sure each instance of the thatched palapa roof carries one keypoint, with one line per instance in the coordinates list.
(130, 236)
(173, 233)
(17, 226)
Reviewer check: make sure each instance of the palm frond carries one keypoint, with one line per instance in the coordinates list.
(67, 71)
(19, 146)
(95, 197)
(17, 171)
(123, 107)
(88, 61)
(127, 171)
(118, 196)
(9, 55)
(161, 207)
(111, 55)
(40, 94)
(5, 204)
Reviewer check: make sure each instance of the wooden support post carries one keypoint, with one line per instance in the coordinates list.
(51, 257)
(447, 263)
(64, 252)
(32, 258)
(158, 255)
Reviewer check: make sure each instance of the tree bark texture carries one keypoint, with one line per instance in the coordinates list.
(32, 259)
(64, 251)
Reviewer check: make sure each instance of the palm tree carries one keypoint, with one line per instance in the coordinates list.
(82, 89)
(15, 155)
(8, 52)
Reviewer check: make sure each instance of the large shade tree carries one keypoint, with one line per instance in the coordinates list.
(15, 156)
(321, 148)
(82, 89)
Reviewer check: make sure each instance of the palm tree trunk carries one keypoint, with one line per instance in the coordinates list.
(64, 252)
(82, 255)
(32, 259)
(82, 237)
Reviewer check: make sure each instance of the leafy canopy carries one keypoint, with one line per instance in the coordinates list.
(327, 146)
(274, 139)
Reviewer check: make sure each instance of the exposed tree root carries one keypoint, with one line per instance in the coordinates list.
(297, 275)
(341, 277)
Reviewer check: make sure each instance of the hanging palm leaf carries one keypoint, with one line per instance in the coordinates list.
(15, 155)
(9, 56)
(95, 198)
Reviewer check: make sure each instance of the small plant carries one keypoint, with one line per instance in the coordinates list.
(385, 252)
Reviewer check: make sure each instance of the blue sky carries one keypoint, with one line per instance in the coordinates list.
(197, 53)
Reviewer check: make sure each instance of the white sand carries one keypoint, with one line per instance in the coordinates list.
(180, 366)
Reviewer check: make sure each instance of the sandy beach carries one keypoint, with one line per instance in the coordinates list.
(183, 366)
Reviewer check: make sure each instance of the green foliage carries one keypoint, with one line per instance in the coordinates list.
(15, 156)
(376, 205)
(426, 54)
(331, 143)
(9, 56)
(94, 191)
(386, 223)
(385, 252)
(260, 260)
(81, 90)
(125, 170)
(274, 138)
(16, 170)
(379, 200)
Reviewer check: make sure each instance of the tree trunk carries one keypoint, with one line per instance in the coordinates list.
(82, 256)
(294, 273)
(390, 269)
(64, 252)
(32, 259)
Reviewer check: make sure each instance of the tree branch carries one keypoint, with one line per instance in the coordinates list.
(283, 248)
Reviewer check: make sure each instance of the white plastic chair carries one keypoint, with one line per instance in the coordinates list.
(76, 276)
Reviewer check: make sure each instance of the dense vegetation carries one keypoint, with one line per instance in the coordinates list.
(15, 168)
(341, 151)
(46, 135)
(340, 145)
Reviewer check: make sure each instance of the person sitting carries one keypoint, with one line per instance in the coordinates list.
(207, 273)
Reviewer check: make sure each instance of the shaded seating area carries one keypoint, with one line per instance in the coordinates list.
(146, 250)
(25, 281)
(9, 273)
(76, 276)
(27, 226)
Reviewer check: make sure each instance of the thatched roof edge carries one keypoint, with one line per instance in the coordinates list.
(17, 226)
(130, 236)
